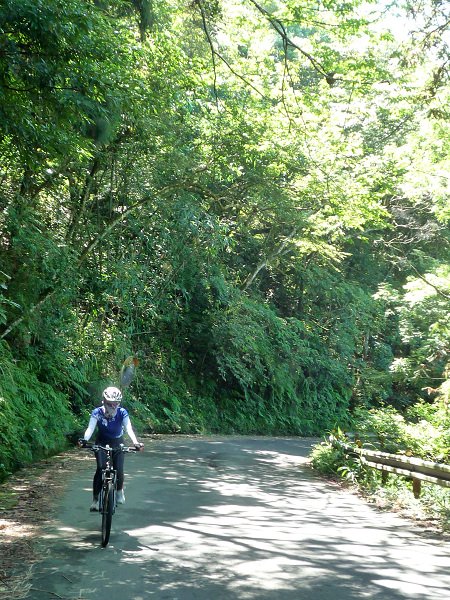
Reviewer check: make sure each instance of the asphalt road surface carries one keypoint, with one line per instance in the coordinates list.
(214, 518)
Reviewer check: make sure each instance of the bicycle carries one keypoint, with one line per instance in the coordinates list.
(107, 496)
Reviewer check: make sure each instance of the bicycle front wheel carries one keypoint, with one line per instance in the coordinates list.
(107, 513)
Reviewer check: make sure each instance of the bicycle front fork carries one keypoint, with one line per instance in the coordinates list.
(108, 484)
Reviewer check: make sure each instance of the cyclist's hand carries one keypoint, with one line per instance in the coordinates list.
(82, 443)
(139, 447)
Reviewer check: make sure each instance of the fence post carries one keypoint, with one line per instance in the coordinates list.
(416, 485)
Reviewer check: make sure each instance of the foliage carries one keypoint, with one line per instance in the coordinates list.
(35, 417)
(423, 434)
(251, 199)
(389, 431)
(327, 459)
(288, 380)
(423, 333)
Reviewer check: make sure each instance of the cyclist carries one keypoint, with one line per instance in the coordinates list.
(111, 421)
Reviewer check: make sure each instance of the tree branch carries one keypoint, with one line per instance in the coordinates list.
(214, 53)
(281, 30)
(283, 248)
(424, 279)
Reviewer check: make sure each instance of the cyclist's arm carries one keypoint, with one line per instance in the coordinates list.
(91, 428)
(129, 430)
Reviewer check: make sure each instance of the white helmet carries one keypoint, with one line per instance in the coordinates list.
(112, 394)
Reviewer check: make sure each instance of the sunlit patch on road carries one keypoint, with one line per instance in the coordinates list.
(225, 518)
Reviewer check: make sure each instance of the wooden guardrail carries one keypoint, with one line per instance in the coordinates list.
(414, 468)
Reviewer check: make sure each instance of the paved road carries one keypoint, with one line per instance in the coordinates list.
(235, 518)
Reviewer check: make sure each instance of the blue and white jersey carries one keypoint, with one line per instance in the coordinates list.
(112, 428)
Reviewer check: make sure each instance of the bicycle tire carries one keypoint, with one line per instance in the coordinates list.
(107, 513)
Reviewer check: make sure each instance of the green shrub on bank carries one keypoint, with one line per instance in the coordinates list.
(35, 418)
(387, 430)
(422, 431)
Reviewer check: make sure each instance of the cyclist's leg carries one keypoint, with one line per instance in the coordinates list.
(118, 462)
(100, 456)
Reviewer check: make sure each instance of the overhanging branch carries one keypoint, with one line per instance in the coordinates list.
(281, 30)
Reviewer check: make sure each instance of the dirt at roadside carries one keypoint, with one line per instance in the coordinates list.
(27, 502)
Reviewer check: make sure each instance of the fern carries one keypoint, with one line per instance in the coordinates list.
(36, 419)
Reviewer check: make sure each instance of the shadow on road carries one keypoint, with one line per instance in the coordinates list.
(242, 518)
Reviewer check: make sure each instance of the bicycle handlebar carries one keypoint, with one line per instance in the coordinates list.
(121, 448)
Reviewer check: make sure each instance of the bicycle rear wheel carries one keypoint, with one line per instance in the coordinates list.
(107, 513)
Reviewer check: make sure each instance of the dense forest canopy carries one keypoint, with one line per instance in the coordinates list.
(252, 198)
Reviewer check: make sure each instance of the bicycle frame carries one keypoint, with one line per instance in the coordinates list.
(109, 478)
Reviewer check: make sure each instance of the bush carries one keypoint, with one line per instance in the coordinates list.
(35, 418)
(389, 431)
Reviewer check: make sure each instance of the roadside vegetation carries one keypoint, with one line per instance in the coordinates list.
(249, 199)
(423, 431)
